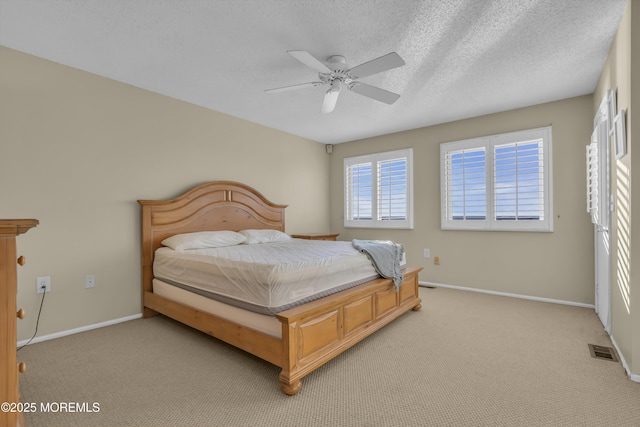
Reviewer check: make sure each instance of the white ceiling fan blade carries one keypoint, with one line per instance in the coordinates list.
(307, 59)
(374, 93)
(378, 65)
(330, 100)
(293, 87)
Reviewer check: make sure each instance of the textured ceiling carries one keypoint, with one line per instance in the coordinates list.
(464, 58)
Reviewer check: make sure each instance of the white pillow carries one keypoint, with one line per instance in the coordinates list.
(203, 239)
(264, 236)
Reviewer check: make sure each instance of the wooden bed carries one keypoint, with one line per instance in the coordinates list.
(313, 333)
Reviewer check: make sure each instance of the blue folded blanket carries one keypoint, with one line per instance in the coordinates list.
(385, 256)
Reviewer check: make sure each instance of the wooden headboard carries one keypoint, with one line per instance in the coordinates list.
(218, 205)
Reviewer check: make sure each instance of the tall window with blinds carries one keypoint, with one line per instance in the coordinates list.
(378, 190)
(359, 191)
(501, 182)
(466, 184)
(518, 180)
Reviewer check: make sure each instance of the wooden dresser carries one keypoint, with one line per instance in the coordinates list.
(9, 230)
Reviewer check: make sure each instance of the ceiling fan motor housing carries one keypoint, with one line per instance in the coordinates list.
(338, 65)
(337, 60)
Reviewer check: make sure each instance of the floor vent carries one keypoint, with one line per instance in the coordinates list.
(604, 353)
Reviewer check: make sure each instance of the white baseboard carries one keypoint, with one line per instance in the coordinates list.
(80, 329)
(633, 377)
(506, 294)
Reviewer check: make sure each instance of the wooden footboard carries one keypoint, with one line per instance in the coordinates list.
(317, 332)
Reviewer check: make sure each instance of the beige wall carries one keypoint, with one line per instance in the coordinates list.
(621, 73)
(78, 150)
(556, 265)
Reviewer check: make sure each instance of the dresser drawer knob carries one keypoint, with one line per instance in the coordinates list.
(22, 367)
(21, 260)
(20, 314)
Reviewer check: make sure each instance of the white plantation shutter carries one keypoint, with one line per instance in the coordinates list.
(358, 191)
(598, 177)
(592, 178)
(499, 182)
(392, 189)
(466, 190)
(518, 181)
(379, 190)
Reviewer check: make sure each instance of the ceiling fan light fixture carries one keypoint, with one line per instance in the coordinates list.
(335, 86)
(330, 100)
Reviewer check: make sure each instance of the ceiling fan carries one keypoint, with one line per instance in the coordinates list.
(336, 75)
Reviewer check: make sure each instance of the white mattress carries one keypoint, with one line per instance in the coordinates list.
(269, 277)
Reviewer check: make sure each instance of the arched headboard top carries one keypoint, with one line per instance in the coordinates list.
(212, 197)
(213, 206)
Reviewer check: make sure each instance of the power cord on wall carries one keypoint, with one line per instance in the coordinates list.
(37, 321)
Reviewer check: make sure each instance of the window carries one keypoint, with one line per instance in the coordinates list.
(500, 182)
(379, 190)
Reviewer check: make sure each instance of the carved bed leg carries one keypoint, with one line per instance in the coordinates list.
(290, 389)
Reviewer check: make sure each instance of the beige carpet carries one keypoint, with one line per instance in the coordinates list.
(465, 359)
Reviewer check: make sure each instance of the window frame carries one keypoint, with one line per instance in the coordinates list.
(374, 159)
(489, 143)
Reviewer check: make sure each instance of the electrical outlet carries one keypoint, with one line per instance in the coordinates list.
(427, 253)
(436, 260)
(89, 281)
(43, 284)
